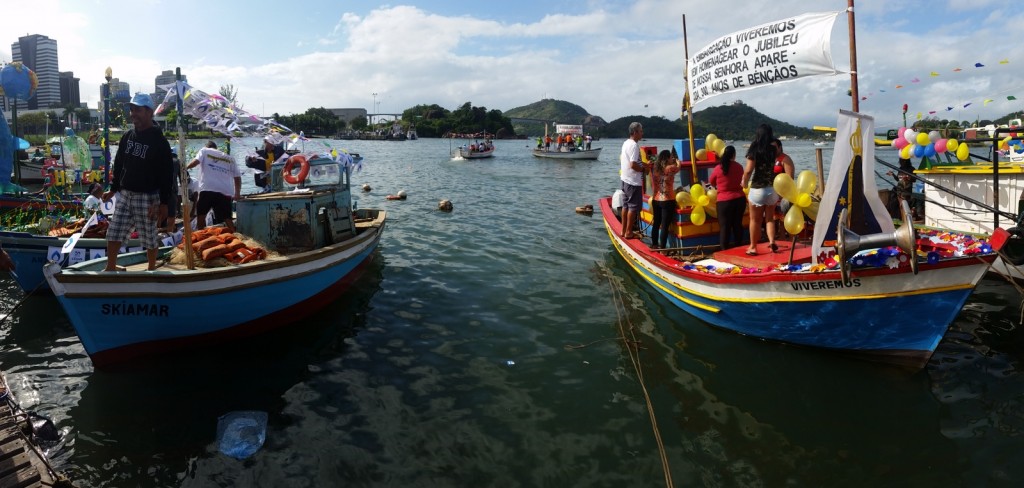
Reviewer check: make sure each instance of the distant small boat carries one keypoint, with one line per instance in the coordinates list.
(570, 144)
(821, 143)
(574, 154)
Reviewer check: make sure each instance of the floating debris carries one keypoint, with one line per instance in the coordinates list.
(366, 187)
(445, 206)
(585, 210)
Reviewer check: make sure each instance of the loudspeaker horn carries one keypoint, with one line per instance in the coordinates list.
(849, 242)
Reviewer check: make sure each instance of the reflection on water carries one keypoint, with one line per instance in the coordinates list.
(448, 365)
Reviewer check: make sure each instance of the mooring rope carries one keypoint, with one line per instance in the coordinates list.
(632, 345)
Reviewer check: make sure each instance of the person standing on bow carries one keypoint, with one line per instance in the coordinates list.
(217, 171)
(759, 174)
(631, 173)
(663, 182)
(143, 180)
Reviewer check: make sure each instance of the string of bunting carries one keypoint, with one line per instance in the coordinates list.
(222, 115)
(950, 107)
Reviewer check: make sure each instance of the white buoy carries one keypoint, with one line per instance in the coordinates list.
(445, 206)
(366, 187)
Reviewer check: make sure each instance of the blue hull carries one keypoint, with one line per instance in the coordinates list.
(113, 329)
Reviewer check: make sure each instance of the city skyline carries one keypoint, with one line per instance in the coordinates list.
(612, 58)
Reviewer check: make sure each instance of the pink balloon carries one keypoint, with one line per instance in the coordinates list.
(940, 146)
(900, 143)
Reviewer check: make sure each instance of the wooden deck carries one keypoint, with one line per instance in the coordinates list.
(22, 463)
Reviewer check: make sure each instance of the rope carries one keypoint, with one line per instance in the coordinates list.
(632, 346)
(23, 299)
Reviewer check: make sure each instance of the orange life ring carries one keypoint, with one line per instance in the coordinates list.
(303, 169)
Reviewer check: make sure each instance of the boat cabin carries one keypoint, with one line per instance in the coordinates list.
(313, 212)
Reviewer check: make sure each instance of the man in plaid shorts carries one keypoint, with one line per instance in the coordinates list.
(143, 181)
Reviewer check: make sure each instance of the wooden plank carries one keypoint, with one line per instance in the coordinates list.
(22, 478)
(14, 463)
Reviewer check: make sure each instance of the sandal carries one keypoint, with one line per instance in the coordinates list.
(773, 247)
(751, 252)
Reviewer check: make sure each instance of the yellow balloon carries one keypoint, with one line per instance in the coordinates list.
(951, 144)
(712, 197)
(812, 210)
(746, 190)
(697, 215)
(962, 152)
(712, 211)
(719, 147)
(785, 186)
(907, 151)
(697, 191)
(709, 141)
(806, 181)
(683, 199)
(803, 200)
(922, 139)
(794, 221)
(703, 200)
(702, 154)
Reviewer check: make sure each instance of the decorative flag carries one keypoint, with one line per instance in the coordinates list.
(899, 86)
(931, 112)
(968, 104)
(836, 195)
(979, 65)
(731, 63)
(934, 73)
(949, 108)
(1004, 61)
(987, 101)
(73, 240)
(957, 70)
(1011, 97)
(915, 80)
(919, 116)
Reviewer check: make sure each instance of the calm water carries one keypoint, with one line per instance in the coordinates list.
(451, 364)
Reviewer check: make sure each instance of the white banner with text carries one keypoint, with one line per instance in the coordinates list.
(775, 52)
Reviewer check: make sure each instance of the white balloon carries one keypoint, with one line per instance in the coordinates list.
(910, 136)
(934, 136)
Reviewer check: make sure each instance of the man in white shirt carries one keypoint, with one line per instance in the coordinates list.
(217, 171)
(631, 172)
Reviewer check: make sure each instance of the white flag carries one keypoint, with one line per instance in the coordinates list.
(775, 52)
(73, 240)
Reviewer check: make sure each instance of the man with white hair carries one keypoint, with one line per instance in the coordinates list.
(631, 172)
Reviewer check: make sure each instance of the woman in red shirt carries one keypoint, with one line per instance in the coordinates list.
(726, 178)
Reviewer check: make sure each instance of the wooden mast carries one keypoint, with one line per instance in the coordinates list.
(687, 108)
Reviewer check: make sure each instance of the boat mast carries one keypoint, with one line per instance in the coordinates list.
(686, 108)
(183, 175)
(854, 94)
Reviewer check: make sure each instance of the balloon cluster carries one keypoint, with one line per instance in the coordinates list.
(703, 203)
(18, 81)
(799, 194)
(711, 143)
(913, 144)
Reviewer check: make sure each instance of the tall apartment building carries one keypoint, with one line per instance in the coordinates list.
(39, 53)
(69, 94)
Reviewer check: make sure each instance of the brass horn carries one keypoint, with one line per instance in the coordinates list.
(848, 242)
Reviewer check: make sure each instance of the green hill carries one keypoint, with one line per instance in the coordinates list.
(732, 122)
(552, 110)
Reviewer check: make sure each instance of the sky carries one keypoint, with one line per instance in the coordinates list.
(613, 58)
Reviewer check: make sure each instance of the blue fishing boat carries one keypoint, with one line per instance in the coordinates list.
(879, 292)
(316, 245)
